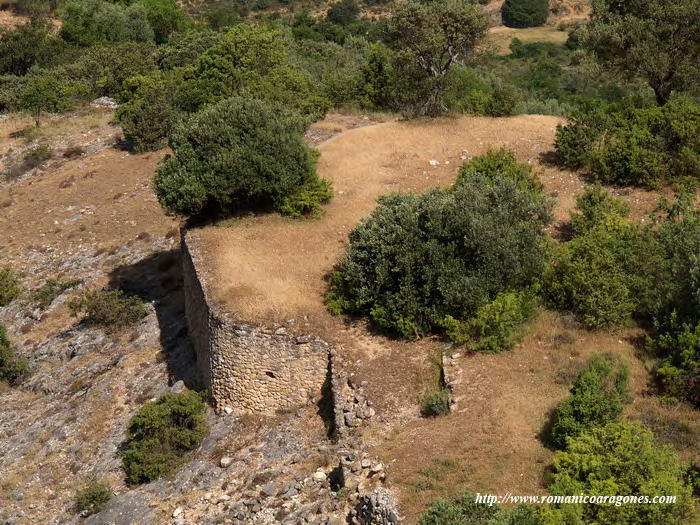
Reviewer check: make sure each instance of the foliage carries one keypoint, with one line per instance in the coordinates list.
(9, 286)
(679, 371)
(419, 258)
(622, 459)
(108, 308)
(184, 48)
(428, 39)
(25, 46)
(657, 40)
(92, 497)
(499, 164)
(146, 119)
(464, 510)
(51, 289)
(596, 207)
(435, 403)
(239, 152)
(496, 326)
(90, 22)
(165, 17)
(41, 94)
(248, 60)
(161, 433)
(12, 366)
(597, 398)
(343, 12)
(524, 13)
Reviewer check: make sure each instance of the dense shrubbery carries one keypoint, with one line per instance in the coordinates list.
(435, 403)
(9, 286)
(240, 152)
(161, 433)
(525, 13)
(620, 459)
(12, 366)
(90, 22)
(597, 398)
(92, 497)
(421, 258)
(632, 145)
(108, 308)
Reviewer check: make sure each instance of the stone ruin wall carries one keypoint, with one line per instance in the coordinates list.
(247, 368)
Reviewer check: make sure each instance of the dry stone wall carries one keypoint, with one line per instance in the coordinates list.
(247, 368)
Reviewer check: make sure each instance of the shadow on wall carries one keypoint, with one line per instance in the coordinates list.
(158, 280)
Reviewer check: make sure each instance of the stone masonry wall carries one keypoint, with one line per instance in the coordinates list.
(245, 367)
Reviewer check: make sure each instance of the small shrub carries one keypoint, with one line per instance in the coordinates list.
(51, 289)
(12, 367)
(596, 207)
(32, 158)
(240, 151)
(161, 433)
(92, 498)
(497, 326)
(499, 164)
(108, 308)
(435, 403)
(597, 398)
(9, 286)
(525, 13)
(621, 459)
(464, 510)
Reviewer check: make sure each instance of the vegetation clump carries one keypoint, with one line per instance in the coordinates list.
(525, 13)
(161, 433)
(240, 152)
(597, 398)
(12, 366)
(418, 259)
(620, 459)
(463, 509)
(51, 289)
(93, 497)
(9, 286)
(111, 309)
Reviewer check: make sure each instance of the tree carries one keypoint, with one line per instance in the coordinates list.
(90, 22)
(239, 152)
(24, 46)
(42, 93)
(343, 12)
(428, 40)
(655, 40)
(525, 13)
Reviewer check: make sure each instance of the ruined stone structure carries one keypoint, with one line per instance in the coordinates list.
(245, 367)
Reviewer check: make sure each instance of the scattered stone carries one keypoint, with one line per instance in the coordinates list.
(228, 410)
(104, 102)
(177, 512)
(225, 462)
(270, 490)
(178, 387)
(434, 162)
(319, 476)
(366, 463)
(377, 468)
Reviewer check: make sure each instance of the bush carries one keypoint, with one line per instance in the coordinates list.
(343, 12)
(108, 308)
(597, 398)
(9, 286)
(23, 47)
(435, 403)
(12, 366)
(679, 371)
(498, 164)
(628, 145)
(165, 17)
(525, 13)
(161, 433)
(92, 497)
(184, 48)
(239, 152)
(420, 258)
(146, 119)
(496, 326)
(596, 207)
(90, 22)
(51, 289)
(621, 459)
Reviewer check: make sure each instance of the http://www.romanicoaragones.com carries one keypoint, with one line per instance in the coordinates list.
(617, 500)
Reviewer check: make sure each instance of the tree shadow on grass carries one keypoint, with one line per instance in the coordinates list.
(157, 279)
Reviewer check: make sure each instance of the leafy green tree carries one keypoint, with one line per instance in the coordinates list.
(90, 22)
(165, 17)
(23, 47)
(418, 259)
(622, 459)
(43, 93)
(429, 39)
(249, 60)
(239, 152)
(655, 40)
(524, 13)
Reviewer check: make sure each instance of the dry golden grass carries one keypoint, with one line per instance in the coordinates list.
(500, 36)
